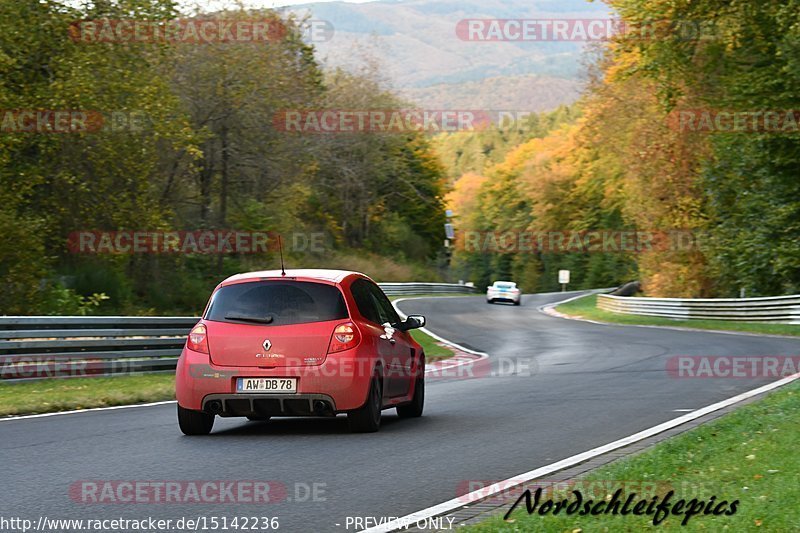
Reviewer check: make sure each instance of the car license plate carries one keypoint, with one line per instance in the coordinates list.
(267, 385)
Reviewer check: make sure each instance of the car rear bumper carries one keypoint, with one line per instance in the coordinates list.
(497, 297)
(269, 404)
(342, 381)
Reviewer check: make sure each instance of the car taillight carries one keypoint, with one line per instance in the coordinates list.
(345, 336)
(198, 339)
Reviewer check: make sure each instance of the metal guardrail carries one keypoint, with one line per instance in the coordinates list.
(773, 309)
(398, 289)
(38, 347)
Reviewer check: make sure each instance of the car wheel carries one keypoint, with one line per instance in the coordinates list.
(414, 408)
(518, 302)
(367, 418)
(258, 418)
(194, 422)
(489, 301)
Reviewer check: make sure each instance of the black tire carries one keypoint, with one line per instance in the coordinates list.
(367, 418)
(194, 422)
(259, 418)
(414, 408)
(489, 301)
(518, 302)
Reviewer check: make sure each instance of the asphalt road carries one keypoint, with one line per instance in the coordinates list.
(565, 387)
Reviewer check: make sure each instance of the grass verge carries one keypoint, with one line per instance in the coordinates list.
(434, 351)
(53, 395)
(748, 455)
(586, 307)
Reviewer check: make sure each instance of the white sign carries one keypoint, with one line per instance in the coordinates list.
(449, 231)
(563, 276)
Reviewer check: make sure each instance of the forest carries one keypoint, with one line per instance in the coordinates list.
(681, 134)
(181, 137)
(689, 138)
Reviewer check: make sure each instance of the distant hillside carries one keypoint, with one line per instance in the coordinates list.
(416, 44)
(512, 93)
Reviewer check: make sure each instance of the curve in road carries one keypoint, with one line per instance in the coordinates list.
(553, 388)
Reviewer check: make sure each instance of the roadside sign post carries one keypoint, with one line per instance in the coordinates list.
(563, 279)
(449, 234)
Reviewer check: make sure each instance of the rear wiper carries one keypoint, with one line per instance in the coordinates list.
(246, 318)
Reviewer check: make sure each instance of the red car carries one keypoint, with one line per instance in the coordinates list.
(307, 343)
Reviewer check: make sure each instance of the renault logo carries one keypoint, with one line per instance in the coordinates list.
(267, 345)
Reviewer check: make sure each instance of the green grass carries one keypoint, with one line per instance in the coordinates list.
(433, 350)
(52, 395)
(748, 455)
(586, 307)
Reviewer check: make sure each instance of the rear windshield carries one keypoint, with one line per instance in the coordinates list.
(504, 285)
(277, 303)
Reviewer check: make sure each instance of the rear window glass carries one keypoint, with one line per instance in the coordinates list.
(504, 285)
(277, 303)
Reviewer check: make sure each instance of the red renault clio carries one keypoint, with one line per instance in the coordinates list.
(300, 343)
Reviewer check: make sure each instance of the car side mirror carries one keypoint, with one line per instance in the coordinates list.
(412, 322)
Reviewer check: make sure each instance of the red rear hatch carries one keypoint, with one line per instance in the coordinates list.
(246, 345)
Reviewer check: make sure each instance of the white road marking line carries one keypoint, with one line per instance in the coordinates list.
(683, 410)
(480, 494)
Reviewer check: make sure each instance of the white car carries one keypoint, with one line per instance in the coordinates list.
(503, 291)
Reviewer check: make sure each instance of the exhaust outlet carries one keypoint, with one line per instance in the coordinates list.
(214, 407)
(321, 407)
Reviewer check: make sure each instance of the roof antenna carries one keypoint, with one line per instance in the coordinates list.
(280, 247)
